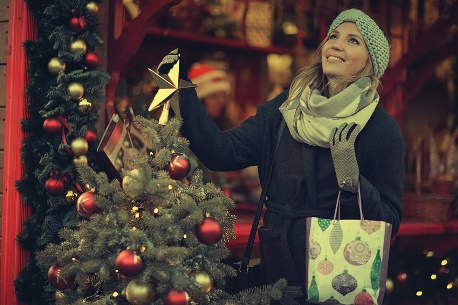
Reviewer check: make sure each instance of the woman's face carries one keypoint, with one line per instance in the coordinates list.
(345, 53)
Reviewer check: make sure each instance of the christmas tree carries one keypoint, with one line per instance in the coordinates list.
(151, 239)
(64, 95)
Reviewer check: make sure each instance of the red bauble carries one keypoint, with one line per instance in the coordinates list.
(85, 205)
(363, 298)
(179, 166)
(52, 125)
(90, 136)
(56, 281)
(77, 23)
(209, 231)
(175, 297)
(91, 60)
(54, 186)
(128, 263)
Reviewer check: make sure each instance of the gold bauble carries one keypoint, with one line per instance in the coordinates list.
(76, 90)
(131, 185)
(84, 106)
(77, 45)
(139, 293)
(79, 146)
(92, 8)
(71, 196)
(205, 281)
(80, 160)
(59, 295)
(55, 65)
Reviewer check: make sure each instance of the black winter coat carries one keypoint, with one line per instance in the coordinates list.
(303, 181)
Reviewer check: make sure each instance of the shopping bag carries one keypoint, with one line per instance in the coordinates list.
(347, 260)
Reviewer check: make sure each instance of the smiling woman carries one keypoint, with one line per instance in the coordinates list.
(337, 139)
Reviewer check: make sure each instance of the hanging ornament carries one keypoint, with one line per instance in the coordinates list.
(92, 8)
(88, 285)
(54, 186)
(90, 136)
(55, 65)
(77, 45)
(91, 60)
(131, 185)
(85, 205)
(128, 263)
(76, 90)
(59, 295)
(80, 160)
(314, 249)
(209, 231)
(376, 269)
(176, 297)
(79, 146)
(344, 283)
(52, 125)
(205, 281)
(56, 281)
(84, 106)
(71, 196)
(357, 252)
(324, 223)
(179, 166)
(370, 226)
(139, 293)
(363, 298)
(336, 236)
(77, 23)
(313, 293)
(325, 267)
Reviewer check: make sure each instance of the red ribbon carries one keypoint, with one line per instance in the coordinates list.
(64, 138)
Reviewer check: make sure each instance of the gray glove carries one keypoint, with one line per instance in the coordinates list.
(342, 145)
(168, 61)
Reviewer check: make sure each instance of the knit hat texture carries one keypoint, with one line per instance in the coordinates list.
(208, 79)
(376, 42)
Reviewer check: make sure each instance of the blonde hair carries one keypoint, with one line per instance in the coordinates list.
(314, 72)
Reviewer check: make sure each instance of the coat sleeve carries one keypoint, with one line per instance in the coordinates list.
(233, 149)
(381, 187)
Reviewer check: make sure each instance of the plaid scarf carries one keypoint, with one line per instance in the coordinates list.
(311, 117)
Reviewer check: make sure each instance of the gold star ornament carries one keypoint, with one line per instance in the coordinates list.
(168, 93)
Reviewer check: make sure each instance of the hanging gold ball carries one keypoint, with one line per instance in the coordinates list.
(77, 45)
(59, 295)
(92, 8)
(79, 146)
(80, 160)
(205, 281)
(71, 196)
(84, 106)
(55, 65)
(76, 90)
(139, 293)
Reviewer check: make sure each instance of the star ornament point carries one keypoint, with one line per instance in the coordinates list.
(169, 86)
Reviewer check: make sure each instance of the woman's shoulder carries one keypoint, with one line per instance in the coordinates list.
(276, 102)
(383, 125)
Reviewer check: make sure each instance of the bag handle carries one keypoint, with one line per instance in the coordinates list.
(246, 257)
(337, 210)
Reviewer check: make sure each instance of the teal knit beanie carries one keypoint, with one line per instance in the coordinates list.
(376, 42)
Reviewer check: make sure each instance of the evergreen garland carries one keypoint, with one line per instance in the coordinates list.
(44, 153)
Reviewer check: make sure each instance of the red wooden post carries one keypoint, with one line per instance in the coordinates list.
(13, 258)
